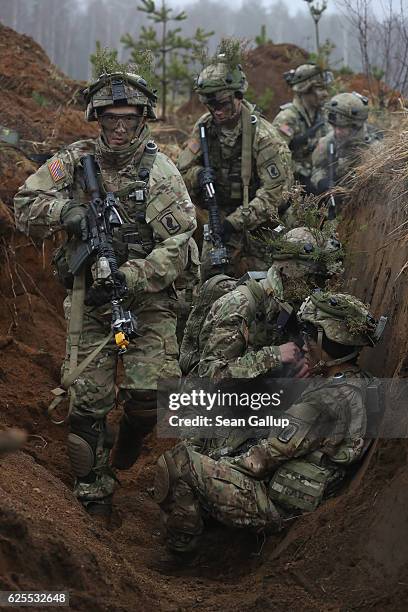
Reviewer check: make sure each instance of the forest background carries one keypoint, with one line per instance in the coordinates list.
(363, 35)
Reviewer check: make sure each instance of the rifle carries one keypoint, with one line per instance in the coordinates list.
(102, 218)
(212, 230)
(331, 209)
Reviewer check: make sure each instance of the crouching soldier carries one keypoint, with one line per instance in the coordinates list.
(250, 330)
(293, 471)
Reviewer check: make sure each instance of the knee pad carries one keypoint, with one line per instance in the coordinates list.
(85, 435)
(166, 476)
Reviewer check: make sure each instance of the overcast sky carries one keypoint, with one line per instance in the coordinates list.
(294, 5)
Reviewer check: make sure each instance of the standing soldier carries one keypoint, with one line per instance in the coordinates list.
(249, 166)
(151, 248)
(301, 122)
(340, 150)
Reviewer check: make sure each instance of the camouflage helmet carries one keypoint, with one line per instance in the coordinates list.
(321, 253)
(119, 88)
(343, 318)
(219, 77)
(303, 259)
(347, 110)
(306, 76)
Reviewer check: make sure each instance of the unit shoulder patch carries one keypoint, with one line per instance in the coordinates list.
(273, 171)
(170, 223)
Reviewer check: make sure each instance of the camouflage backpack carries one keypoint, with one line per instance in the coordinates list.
(214, 288)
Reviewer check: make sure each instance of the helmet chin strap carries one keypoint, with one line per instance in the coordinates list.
(322, 365)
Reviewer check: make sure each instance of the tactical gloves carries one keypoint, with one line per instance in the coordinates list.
(102, 290)
(73, 219)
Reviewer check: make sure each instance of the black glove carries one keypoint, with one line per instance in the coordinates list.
(205, 176)
(73, 218)
(102, 290)
(322, 186)
(227, 230)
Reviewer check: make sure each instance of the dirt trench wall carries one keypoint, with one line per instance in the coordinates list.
(375, 258)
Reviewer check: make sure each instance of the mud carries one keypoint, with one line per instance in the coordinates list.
(349, 555)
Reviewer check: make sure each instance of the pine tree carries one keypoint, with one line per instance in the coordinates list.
(175, 54)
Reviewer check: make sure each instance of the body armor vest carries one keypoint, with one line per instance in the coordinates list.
(226, 161)
(134, 239)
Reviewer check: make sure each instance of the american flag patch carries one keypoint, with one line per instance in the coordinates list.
(286, 129)
(56, 169)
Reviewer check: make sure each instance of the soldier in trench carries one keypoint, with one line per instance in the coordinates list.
(263, 482)
(250, 166)
(152, 251)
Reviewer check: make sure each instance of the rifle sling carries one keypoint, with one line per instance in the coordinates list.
(61, 391)
(246, 157)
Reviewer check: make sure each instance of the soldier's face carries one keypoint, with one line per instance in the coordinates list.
(119, 125)
(316, 97)
(225, 110)
(342, 133)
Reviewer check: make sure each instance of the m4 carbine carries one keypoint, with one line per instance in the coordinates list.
(212, 231)
(102, 218)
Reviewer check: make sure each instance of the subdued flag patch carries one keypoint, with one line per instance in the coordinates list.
(57, 170)
(286, 129)
(193, 145)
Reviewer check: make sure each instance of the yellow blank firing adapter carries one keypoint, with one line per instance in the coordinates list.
(121, 341)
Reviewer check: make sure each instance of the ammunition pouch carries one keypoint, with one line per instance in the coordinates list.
(132, 241)
(61, 267)
(302, 485)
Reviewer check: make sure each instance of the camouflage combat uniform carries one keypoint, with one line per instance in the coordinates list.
(270, 175)
(300, 124)
(348, 111)
(152, 250)
(288, 472)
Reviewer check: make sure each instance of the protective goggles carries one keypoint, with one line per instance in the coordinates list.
(111, 121)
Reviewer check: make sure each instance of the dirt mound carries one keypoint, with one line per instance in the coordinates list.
(266, 65)
(37, 99)
(376, 258)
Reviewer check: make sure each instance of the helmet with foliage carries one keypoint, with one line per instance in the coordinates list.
(321, 252)
(117, 84)
(306, 76)
(218, 77)
(343, 318)
(302, 260)
(347, 110)
(224, 72)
